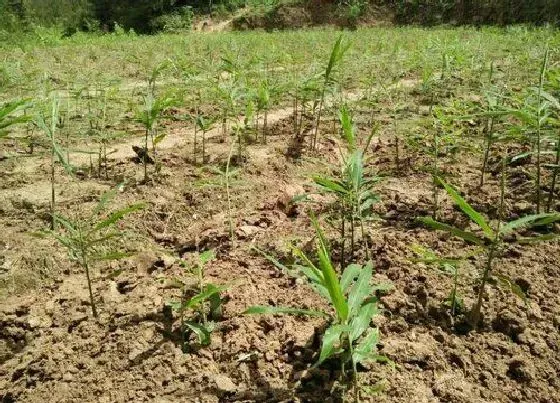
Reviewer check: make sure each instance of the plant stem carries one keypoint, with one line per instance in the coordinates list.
(554, 177)
(318, 121)
(539, 102)
(201, 288)
(203, 146)
(343, 237)
(85, 264)
(145, 155)
(490, 128)
(475, 313)
(454, 292)
(53, 220)
(265, 125)
(230, 219)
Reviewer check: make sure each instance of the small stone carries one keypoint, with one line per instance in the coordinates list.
(247, 231)
(224, 384)
(67, 377)
(134, 354)
(168, 261)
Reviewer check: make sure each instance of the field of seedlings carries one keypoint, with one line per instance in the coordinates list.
(307, 216)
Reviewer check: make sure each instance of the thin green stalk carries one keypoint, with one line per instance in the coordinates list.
(539, 102)
(265, 125)
(435, 174)
(364, 238)
(53, 220)
(354, 371)
(318, 120)
(343, 237)
(230, 219)
(203, 146)
(554, 177)
(201, 289)
(85, 264)
(490, 128)
(145, 155)
(475, 314)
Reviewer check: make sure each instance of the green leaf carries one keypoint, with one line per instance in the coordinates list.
(106, 198)
(200, 330)
(474, 215)
(509, 284)
(90, 242)
(271, 259)
(281, 310)
(66, 223)
(367, 349)
(362, 320)
(535, 239)
(330, 339)
(310, 270)
(207, 256)
(347, 127)
(159, 138)
(529, 221)
(209, 290)
(330, 185)
(360, 290)
(467, 236)
(117, 215)
(174, 305)
(351, 272)
(329, 275)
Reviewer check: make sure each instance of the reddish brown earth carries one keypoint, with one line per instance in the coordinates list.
(51, 348)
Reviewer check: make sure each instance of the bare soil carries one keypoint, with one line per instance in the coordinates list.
(52, 349)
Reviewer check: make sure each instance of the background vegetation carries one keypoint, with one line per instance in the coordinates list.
(145, 16)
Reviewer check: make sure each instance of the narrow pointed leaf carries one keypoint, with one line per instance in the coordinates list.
(467, 236)
(468, 210)
(530, 220)
(329, 275)
(116, 216)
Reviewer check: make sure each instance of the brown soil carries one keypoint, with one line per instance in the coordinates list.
(51, 349)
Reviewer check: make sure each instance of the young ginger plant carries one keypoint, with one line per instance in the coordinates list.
(351, 296)
(87, 240)
(490, 239)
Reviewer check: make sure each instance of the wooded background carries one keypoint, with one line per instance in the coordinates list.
(142, 15)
